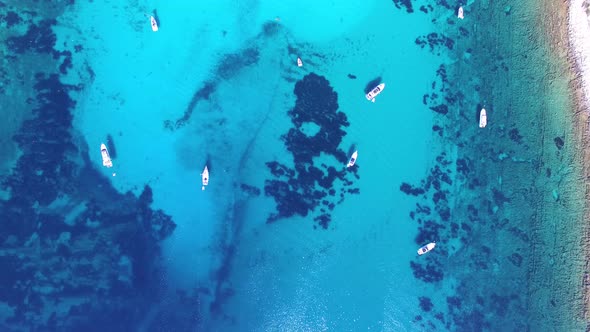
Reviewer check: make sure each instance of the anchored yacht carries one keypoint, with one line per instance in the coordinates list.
(377, 90)
(426, 248)
(483, 118)
(205, 177)
(106, 159)
(460, 13)
(299, 62)
(154, 23)
(352, 159)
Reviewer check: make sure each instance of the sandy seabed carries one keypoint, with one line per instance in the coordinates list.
(534, 152)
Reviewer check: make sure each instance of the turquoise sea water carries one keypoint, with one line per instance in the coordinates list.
(285, 275)
(218, 85)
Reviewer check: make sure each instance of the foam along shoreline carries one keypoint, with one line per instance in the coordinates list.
(579, 35)
(578, 22)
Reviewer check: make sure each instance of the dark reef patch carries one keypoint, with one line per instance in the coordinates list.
(515, 135)
(407, 4)
(499, 197)
(428, 272)
(425, 9)
(410, 190)
(112, 240)
(38, 136)
(299, 190)
(435, 41)
(559, 143)
(66, 63)
(38, 38)
(440, 109)
(425, 304)
(12, 19)
(515, 259)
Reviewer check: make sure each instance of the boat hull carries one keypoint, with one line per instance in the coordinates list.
(352, 160)
(205, 178)
(376, 91)
(483, 118)
(426, 248)
(154, 24)
(106, 158)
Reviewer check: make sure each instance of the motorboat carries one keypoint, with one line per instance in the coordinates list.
(299, 62)
(376, 90)
(352, 159)
(426, 248)
(460, 13)
(483, 118)
(106, 158)
(154, 23)
(205, 177)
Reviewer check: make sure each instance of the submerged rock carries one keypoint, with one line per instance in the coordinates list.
(407, 4)
(425, 303)
(101, 263)
(559, 143)
(299, 190)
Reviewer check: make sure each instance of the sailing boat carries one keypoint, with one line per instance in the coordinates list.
(154, 23)
(352, 160)
(205, 177)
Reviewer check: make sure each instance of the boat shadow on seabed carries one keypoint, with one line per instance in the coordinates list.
(371, 85)
(157, 18)
(111, 147)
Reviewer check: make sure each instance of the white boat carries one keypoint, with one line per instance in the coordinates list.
(377, 90)
(426, 248)
(483, 118)
(205, 177)
(299, 62)
(154, 23)
(352, 159)
(106, 159)
(460, 13)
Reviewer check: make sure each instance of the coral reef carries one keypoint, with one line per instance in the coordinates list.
(38, 38)
(407, 4)
(76, 254)
(294, 189)
(435, 41)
